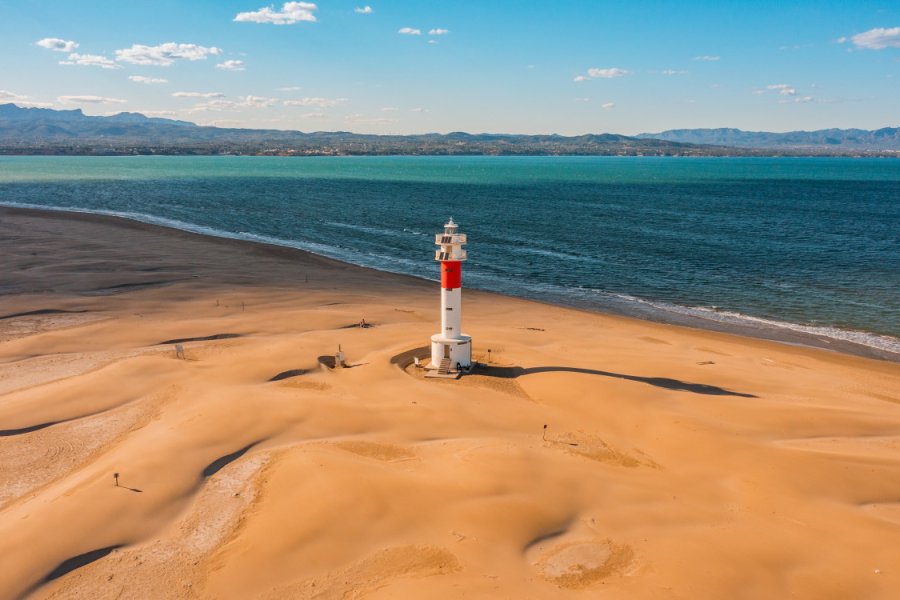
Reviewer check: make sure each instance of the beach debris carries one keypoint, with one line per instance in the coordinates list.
(179, 351)
(339, 358)
(544, 435)
(116, 478)
(706, 362)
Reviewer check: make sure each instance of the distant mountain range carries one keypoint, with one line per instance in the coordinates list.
(48, 131)
(887, 138)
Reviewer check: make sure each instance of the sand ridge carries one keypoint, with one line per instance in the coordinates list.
(675, 463)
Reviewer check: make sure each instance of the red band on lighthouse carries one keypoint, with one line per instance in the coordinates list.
(451, 275)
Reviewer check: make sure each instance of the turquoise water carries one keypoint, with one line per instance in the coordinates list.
(801, 249)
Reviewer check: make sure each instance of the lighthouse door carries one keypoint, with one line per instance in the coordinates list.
(446, 350)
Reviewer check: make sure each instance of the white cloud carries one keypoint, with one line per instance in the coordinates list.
(432, 41)
(319, 102)
(165, 54)
(314, 115)
(292, 88)
(4, 95)
(419, 110)
(20, 100)
(841, 40)
(90, 60)
(257, 101)
(57, 45)
(147, 80)
(783, 89)
(409, 31)
(242, 102)
(364, 10)
(198, 95)
(607, 73)
(797, 100)
(231, 65)
(876, 39)
(610, 73)
(439, 32)
(673, 72)
(291, 12)
(90, 100)
(707, 58)
(608, 105)
(389, 109)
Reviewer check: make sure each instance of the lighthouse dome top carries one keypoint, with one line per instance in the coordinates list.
(450, 226)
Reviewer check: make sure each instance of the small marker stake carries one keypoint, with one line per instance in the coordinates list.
(544, 436)
(116, 477)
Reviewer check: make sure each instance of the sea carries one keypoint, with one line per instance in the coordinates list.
(800, 250)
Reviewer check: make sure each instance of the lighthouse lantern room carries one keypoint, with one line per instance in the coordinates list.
(451, 350)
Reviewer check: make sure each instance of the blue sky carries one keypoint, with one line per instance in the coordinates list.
(566, 67)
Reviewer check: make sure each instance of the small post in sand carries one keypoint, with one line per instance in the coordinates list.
(544, 435)
(116, 477)
(339, 358)
(179, 351)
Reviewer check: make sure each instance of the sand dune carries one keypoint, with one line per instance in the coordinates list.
(675, 463)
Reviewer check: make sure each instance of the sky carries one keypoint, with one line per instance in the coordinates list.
(414, 66)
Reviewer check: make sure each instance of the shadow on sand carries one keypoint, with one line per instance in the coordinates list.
(661, 382)
(76, 562)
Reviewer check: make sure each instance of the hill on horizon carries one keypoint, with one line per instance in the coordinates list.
(48, 131)
(886, 138)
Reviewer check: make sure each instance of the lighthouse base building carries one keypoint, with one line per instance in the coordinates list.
(451, 349)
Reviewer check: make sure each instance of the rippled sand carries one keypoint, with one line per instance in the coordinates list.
(676, 463)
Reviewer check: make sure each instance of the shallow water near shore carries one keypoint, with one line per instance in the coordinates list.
(801, 250)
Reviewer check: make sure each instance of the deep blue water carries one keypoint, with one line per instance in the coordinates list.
(804, 245)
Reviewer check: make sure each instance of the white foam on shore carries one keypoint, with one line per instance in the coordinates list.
(872, 340)
(823, 334)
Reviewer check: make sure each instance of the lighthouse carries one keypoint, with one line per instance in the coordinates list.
(451, 349)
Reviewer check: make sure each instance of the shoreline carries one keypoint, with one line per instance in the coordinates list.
(760, 329)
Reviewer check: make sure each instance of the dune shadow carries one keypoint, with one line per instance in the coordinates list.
(404, 359)
(288, 374)
(223, 461)
(128, 287)
(207, 338)
(360, 325)
(76, 562)
(660, 382)
(11, 432)
(41, 311)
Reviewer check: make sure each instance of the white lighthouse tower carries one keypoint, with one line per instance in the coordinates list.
(451, 349)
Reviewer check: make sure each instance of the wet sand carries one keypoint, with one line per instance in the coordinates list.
(676, 462)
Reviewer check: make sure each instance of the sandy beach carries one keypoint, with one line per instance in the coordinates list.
(675, 462)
